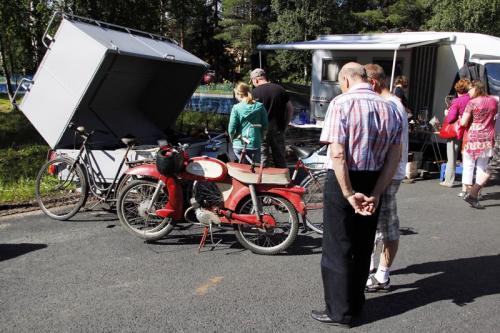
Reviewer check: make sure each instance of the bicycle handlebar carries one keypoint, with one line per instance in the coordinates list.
(80, 130)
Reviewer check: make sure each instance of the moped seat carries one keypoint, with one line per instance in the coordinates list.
(244, 174)
(303, 152)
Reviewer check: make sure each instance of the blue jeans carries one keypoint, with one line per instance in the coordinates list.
(253, 154)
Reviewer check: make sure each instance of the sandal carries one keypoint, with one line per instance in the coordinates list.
(377, 286)
(474, 202)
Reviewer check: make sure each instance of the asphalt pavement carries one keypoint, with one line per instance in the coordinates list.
(90, 275)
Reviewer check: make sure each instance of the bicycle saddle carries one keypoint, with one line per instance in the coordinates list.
(303, 152)
(128, 140)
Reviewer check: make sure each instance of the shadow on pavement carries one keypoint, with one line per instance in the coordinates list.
(9, 251)
(406, 231)
(303, 244)
(461, 281)
(491, 196)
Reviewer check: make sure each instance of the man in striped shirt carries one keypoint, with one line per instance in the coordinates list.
(363, 131)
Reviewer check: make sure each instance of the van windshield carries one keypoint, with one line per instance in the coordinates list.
(493, 74)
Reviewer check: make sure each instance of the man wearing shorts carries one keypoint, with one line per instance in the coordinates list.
(388, 221)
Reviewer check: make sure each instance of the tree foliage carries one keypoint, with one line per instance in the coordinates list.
(395, 15)
(299, 20)
(243, 26)
(481, 16)
(225, 33)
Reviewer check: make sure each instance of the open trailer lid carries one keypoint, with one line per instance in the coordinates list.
(375, 42)
(111, 79)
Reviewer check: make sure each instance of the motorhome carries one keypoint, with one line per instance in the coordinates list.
(430, 61)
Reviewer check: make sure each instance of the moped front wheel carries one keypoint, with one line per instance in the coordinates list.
(135, 215)
(271, 240)
(61, 188)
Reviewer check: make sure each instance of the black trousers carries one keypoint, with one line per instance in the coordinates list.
(347, 245)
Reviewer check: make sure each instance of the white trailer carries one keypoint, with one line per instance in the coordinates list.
(430, 61)
(113, 80)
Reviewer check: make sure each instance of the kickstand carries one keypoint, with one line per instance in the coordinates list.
(208, 230)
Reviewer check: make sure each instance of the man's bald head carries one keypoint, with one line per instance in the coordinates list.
(351, 74)
(353, 70)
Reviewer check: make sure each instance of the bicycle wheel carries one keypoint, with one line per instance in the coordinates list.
(61, 188)
(313, 199)
(132, 208)
(269, 241)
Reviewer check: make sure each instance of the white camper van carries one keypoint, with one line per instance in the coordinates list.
(430, 61)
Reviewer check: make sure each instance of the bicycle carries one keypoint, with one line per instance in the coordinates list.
(63, 183)
(314, 183)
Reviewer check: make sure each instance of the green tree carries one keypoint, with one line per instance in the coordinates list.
(401, 15)
(301, 20)
(481, 16)
(243, 25)
(20, 22)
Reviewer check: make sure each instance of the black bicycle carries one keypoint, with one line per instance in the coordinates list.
(63, 184)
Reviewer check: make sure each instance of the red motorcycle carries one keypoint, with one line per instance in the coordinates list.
(259, 202)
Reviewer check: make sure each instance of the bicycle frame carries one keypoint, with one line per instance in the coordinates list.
(85, 159)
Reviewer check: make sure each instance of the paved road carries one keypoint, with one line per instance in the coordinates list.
(89, 275)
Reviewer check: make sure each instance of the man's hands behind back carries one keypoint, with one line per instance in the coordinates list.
(362, 204)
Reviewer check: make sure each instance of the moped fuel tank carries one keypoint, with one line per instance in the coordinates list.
(206, 168)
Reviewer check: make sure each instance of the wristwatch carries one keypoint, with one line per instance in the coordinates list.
(350, 194)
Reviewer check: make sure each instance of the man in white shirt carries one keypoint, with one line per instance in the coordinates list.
(388, 221)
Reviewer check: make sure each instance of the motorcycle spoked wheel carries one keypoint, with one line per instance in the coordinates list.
(268, 241)
(131, 207)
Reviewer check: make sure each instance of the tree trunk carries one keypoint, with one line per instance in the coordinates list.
(162, 17)
(5, 68)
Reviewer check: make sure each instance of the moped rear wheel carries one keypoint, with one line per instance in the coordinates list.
(61, 188)
(273, 240)
(132, 208)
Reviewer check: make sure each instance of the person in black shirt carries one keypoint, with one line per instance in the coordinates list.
(279, 112)
(400, 84)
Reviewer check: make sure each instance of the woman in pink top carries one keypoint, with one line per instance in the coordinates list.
(453, 114)
(480, 113)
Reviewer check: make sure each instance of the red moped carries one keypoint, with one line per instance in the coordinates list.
(259, 202)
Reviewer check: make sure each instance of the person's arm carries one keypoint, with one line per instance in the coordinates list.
(334, 134)
(264, 121)
(384, 179)
(466, 116)
(355, 199)
(234, 124)
(453, 112)
(391, 163)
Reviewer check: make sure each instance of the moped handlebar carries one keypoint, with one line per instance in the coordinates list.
(245, 140)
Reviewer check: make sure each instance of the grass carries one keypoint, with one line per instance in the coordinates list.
(216, 88)
(15, 129)
(5, 105)
(192, 121)
(22, 190)
(18, 169)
